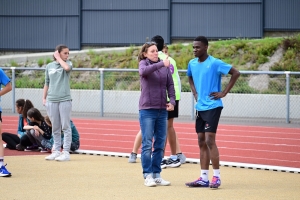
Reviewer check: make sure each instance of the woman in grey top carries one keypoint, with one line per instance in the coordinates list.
(156, 83)
(58, 102)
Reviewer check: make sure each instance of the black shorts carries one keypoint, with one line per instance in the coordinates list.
(207, 121)
(0, 116)
(174, 113)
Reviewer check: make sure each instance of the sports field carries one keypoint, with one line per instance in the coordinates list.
(107, 175)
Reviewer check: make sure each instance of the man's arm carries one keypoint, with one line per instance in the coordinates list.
(191, 82)
(6, 89)
(234, 76)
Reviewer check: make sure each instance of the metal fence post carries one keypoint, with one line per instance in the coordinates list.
(101, 91)
(13, 77)
(287, 75)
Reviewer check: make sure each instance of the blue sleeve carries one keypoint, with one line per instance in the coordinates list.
(189, 71)
(3, 78)
(223, 68)
(21, 131)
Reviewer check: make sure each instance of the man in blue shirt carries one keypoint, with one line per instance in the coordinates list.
(204, 73)
(4, 80)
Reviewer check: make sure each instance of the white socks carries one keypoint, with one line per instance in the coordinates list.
(217, 172)
(204, 175)
(1, 161)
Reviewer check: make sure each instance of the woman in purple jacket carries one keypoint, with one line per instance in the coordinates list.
(156, 83)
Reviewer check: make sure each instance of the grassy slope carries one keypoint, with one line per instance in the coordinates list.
(244, 54)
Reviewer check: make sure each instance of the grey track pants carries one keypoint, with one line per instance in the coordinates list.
(60, 116)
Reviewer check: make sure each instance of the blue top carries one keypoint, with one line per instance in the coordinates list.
(207, 79)
(4, 80)
(21, 131)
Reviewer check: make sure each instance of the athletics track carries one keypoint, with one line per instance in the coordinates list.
(259, 145)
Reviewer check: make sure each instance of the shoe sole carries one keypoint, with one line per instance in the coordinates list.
(152, 185)
(163, 184)
(5, 175)
(63, 160)
(200, 186)
(49, 159)
(173, 166)
(131, 161)
(214, 186)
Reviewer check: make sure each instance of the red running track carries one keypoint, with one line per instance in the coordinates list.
(277, 146)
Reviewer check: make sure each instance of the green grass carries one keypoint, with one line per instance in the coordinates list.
(40, 62)
(13, 63)
(243, 54)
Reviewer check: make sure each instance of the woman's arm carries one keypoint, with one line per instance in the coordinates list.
(145, 69)
(28, 127)
(61, 62)
(46, 87)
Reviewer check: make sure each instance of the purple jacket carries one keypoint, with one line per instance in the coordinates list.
(156, 81)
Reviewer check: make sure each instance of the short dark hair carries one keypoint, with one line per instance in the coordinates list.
(159, 42)
(202, 39)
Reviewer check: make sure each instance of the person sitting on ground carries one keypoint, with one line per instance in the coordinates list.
(20, 140)
(37, 130)
(75, 144)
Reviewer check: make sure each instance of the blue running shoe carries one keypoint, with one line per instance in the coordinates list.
(198, 183)
(215, 183)
(4, 172)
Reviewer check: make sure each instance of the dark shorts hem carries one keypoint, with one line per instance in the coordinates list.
(208, 120)
(174, 113)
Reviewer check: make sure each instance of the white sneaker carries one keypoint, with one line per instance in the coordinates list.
(160, 181)
(149, 181)
(53, 155)
(64, 156)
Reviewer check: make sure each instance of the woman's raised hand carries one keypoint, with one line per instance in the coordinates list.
(56, 55)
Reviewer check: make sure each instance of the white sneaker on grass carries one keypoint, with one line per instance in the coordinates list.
(149, 181)
(160, 181)
(64, 156)
(53, 155)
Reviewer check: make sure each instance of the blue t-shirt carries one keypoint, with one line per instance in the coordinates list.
(4, 80)
(207, 79)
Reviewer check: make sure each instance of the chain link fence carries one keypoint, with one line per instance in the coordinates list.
(261, 95)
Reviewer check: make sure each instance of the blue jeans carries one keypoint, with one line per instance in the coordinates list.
(153, 124)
